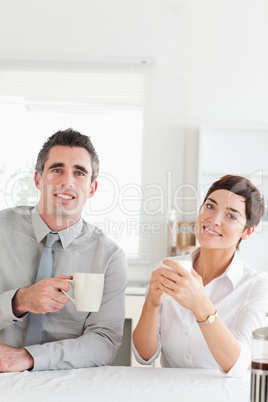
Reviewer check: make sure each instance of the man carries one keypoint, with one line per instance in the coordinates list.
(66, 171)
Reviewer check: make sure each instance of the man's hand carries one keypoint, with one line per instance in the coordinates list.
(14, 359)
(41, 297)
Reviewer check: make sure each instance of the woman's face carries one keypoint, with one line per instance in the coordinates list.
(221, 222)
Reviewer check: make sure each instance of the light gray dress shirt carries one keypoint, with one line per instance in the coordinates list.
(70, 339)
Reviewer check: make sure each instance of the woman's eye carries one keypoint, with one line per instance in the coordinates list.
(231, 216)
(210, 206)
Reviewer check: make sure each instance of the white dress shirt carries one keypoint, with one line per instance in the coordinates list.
(240, 295)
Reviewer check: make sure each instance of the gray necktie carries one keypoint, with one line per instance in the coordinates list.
(34, 331)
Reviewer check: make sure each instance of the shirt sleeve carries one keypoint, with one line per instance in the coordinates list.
(252, 316)
(102, 332)
(7, 316)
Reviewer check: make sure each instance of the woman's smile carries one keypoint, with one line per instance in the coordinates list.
(211, 232)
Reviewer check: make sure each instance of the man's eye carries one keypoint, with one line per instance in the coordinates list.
(56, 170)
(80, 174)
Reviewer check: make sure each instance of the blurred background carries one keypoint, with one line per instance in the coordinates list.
(173, 93)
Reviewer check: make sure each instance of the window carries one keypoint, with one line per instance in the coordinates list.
(106, 101)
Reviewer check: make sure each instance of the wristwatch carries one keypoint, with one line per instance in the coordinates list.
(210, 319)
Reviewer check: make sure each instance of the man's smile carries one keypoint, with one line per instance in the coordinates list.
(65, 195)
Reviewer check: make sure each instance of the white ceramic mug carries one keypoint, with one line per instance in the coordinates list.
(184, 263)
(87, 291)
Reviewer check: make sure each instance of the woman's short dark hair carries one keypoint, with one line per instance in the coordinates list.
(239, 185)
(70, 138)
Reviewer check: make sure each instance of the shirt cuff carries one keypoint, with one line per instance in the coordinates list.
(7, 316)
(41, 361)
(140, 359)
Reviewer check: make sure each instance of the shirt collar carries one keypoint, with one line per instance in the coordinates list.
(41, 229)
(233, 272)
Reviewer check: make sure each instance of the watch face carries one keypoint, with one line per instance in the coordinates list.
(211, 319)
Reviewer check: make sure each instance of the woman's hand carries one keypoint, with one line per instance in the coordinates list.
(185, 287)
(155, 293)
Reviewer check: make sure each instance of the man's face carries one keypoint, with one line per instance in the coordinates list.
(65, 183)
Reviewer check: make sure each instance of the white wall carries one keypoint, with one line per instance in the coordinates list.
(210, 57)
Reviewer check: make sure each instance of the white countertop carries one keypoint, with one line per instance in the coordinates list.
(121, 384)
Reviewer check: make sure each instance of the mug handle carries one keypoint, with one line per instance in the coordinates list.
(72, 283)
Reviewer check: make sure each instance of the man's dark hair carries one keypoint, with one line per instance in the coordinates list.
(69, 138)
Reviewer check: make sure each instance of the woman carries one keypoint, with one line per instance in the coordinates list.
(214, 309)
